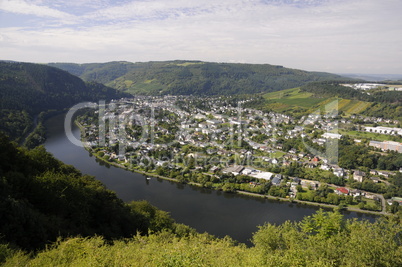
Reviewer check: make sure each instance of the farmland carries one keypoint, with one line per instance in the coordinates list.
(294, 100)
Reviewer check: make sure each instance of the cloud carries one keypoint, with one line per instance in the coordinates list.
(27, 8)
(315, 35)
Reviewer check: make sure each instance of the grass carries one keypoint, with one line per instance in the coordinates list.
(282, 93)
(277, 154)
(368, 135)
(289, 98)
(128, 83)
(189, 63)
(146, 87)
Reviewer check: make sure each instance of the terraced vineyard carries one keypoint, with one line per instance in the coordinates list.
(294, 100)
(353, 106)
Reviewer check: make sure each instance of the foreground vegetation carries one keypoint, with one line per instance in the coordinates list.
(323, 239)
(42, 199)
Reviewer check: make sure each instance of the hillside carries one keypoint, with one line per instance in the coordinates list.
(194, 77)
(376, 103)
(42, 199)
(28, 89)
(306, 99)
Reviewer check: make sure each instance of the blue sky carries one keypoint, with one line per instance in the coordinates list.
(340, 36)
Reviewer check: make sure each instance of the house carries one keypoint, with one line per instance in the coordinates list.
(302, 155)
(384, 174)
(342, 191)
(375, 179)
(214, 169)
(373, 172)
(235, 170)
(316, 159)
(214, 122)
(356, 193)
(263, 175)
(308, 183)
(325, 167)
(248, 171)
(293, 151)
(372, 196)
(358, 176)
(296, 180)
(310, 165)
(276, 180)
(286, 163)
(339, 172)
(332, 136)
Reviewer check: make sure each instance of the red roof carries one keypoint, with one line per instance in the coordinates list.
(343, 190)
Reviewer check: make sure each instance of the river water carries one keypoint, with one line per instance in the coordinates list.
(205, 210)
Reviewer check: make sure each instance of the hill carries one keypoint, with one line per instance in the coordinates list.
(194, 77)
(376, 103)
(306, 99)
(28, 89)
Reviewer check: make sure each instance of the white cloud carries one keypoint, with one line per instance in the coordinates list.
(315, 35)
(32, 8)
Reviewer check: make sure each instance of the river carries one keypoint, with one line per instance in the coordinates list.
(205, 210)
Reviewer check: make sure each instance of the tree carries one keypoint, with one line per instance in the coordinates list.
(394, 207)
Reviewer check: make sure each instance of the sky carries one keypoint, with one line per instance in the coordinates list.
(338, 36)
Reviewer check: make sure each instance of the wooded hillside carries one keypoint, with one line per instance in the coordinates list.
(194, 77)
(28, 89)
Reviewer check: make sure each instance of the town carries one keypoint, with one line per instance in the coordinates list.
(225, 144)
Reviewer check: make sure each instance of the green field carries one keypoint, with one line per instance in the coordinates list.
(185, 64)
(370, 136)
(294, 99)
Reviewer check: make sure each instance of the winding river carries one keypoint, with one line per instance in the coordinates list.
(207, 210)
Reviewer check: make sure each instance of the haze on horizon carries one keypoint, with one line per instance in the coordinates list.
(338, 36)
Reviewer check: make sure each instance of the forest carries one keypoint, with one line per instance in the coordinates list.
(26, 90)
(194, 77)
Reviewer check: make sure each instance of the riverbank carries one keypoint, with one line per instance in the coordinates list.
(288, 200)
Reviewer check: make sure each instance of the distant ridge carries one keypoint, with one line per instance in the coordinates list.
(194, 77)
(374, 77)
(37, 87)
